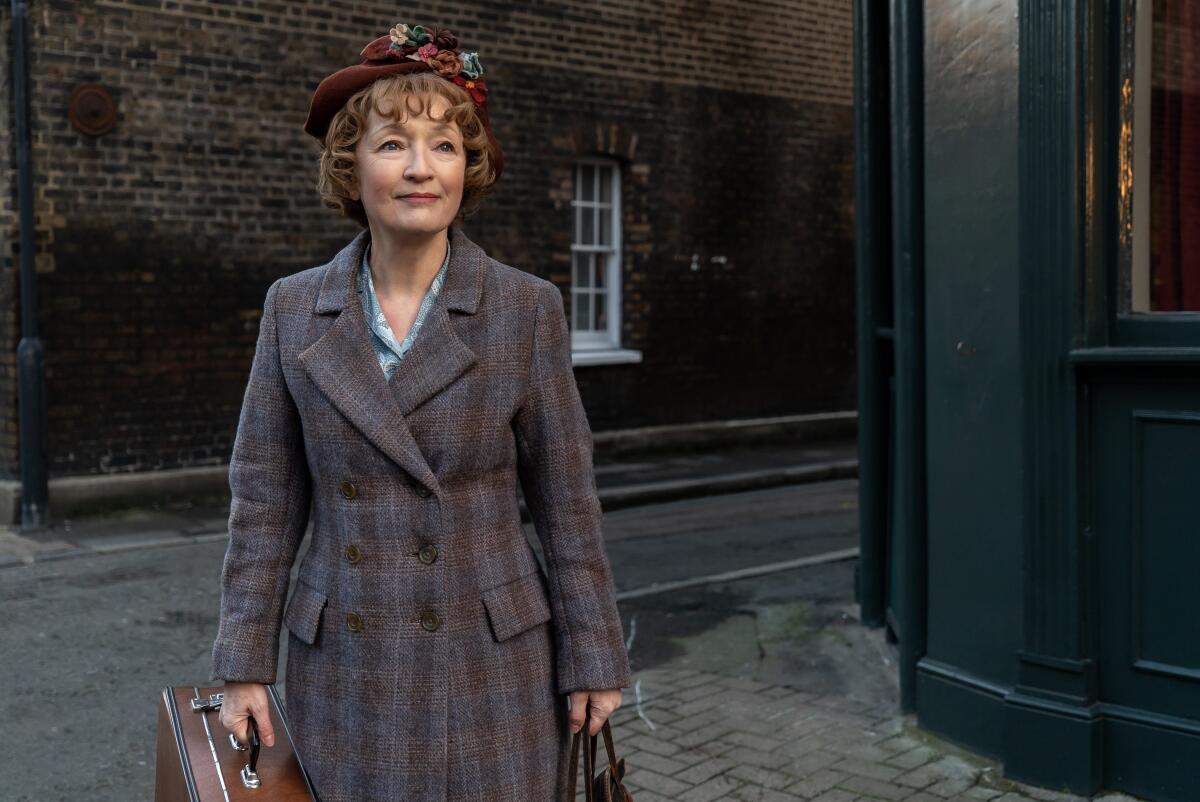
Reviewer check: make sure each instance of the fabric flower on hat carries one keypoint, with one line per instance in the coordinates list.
(471, 67)
(477, 89)
(407, 40)
(435, 47)
(400, 44)
(446, 63)
(444, 39)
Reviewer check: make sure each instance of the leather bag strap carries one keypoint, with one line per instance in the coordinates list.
(589, 760)
(606, 731)
(576, 744)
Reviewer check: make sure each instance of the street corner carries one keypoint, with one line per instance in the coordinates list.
(17, 549)
(822, 647)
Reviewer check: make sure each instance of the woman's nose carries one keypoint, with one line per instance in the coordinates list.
(418, 167)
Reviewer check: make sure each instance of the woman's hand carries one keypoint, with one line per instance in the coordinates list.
(596, 704)
(242, 700)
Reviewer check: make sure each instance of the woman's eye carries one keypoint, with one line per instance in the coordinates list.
(389, 142)
(449, 145)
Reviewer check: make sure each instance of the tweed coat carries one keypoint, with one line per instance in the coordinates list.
(429, 654)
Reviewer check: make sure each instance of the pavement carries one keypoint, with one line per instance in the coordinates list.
(770, 689)
(696, 736)
(748, 686)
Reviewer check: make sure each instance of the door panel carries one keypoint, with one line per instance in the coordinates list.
(1144, 476)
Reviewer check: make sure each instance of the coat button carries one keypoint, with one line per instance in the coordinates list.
(428, 553)
(348, 489)
(354, 622)
(354, 553)
(430, 620)
(423, 491)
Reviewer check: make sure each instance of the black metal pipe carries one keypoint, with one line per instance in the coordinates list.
(872, 252)
(31, 363)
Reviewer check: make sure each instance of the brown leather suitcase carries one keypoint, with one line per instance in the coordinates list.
(200, 761)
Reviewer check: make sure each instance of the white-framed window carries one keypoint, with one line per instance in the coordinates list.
(596, 255)
(596, 247)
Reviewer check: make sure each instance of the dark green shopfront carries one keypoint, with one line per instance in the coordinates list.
(1028, 279)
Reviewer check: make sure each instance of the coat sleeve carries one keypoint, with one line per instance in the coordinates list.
(271, 490)
(554, 462)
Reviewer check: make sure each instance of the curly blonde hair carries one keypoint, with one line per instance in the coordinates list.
(337, 179)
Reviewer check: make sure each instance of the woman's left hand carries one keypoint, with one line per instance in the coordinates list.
(597, 704)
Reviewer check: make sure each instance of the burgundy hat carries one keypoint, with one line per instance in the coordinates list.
(404, 49)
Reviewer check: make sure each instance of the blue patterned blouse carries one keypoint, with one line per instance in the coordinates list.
(387, 350)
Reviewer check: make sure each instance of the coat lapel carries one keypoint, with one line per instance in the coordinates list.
(342, 363)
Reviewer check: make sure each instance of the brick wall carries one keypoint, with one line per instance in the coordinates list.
(158, 239)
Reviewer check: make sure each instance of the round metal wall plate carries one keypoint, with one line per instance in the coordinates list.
(92, 109)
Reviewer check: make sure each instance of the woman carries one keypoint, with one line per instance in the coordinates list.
(402, 390)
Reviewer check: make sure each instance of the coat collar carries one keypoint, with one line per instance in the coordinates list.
(342, 362)
(460, 292)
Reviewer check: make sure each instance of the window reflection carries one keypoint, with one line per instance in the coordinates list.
(1166, 164)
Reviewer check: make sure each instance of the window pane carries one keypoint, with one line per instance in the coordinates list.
(583, 310)
(606, 174)
(1174, 163)
(576, 322)
(605, 226)
(587, 235)
(601, 270)
(579, 278)
(601, 301)
(589, 182)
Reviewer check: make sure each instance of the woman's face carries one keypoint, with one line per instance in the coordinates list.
(410, 174)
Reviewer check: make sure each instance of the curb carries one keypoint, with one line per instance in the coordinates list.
(79, 496)
(615, 498)
(807, 428)
(611, 498)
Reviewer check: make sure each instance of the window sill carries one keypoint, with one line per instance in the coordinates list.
(605, 356)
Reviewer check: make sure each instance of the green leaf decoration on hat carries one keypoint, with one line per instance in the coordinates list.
(417, 35)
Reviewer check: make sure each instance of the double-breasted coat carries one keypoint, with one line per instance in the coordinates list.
(429, 654)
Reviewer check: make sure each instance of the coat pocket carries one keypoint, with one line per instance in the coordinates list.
(517, 605)
(303, 614)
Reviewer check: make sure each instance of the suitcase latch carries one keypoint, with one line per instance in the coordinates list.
(213, 702)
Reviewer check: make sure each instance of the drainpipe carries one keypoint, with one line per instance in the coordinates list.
(31, 361)
(873, 265)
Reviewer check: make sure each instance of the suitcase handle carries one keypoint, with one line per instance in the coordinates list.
(250, 777)
(249, 771)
